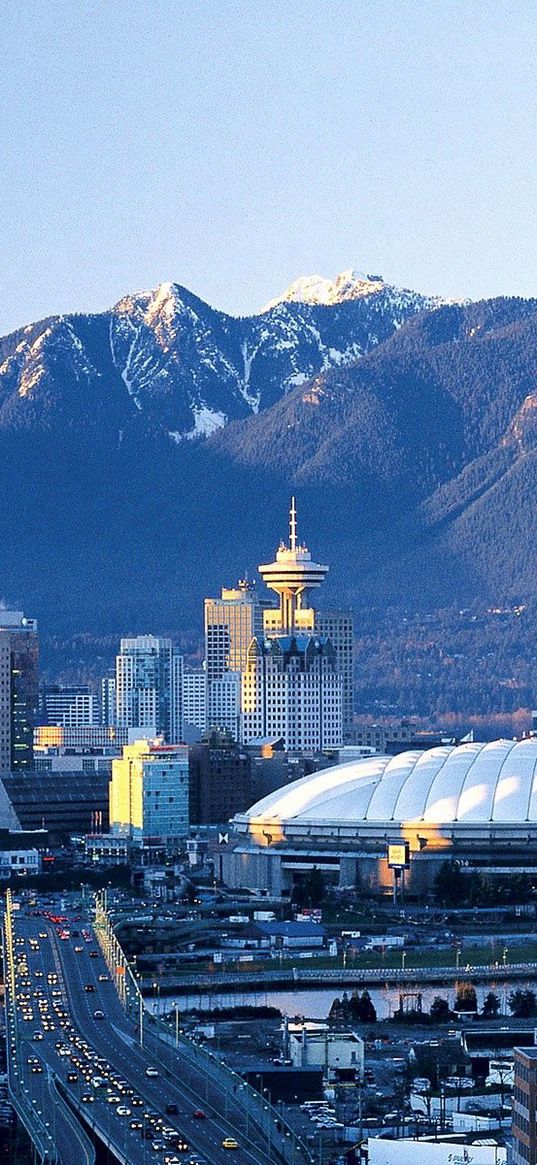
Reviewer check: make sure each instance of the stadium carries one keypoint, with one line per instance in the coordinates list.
(474, 803)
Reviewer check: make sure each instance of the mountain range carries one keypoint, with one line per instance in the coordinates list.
(147, 452)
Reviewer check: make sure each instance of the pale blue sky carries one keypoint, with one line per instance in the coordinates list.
(232, 145)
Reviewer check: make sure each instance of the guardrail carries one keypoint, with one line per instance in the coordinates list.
(218, 982)
(280, 1138)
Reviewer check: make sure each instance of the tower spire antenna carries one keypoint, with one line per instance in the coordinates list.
(292, 523)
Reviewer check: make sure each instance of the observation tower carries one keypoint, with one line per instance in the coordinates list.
(292, 575)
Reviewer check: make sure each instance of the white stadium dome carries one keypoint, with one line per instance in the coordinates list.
(469, 784)
(472, 803)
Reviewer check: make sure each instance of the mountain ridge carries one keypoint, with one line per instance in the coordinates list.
(412, 444)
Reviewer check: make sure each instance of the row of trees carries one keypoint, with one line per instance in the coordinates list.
(452, 887)
(359, 1007)
(522, 1004)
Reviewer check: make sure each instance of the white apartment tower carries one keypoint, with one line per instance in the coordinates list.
(149, 687)
(195, 699)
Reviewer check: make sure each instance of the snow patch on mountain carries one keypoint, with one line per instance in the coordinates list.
(315, 289)
(206, 421)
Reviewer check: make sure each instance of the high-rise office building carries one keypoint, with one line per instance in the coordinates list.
(108, 701)
(149, 673)
(5, 703)
(231, 622)
(20, 634)
(220, 781)
(338, 627)
(194, 701)
(230, 625)
(149, 793)
(291, 689)
(69, 707)
(225, 703)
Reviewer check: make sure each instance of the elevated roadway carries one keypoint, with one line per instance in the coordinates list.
(77, 1019)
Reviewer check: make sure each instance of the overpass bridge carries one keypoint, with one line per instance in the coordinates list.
(89, 1065)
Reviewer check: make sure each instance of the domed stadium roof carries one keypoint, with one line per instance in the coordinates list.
(472, 784)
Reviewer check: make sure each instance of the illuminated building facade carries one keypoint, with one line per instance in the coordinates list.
(149, 687)
(20, 634)
(89, 737)
(149, 793)
(231, 622)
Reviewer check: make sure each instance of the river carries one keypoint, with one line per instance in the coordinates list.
(315, 1003)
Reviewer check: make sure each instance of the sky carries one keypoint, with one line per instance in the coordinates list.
(233, 145)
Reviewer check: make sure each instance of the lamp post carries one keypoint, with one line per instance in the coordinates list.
(244, 1089)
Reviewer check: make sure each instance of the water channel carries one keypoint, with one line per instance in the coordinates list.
(315, 1003)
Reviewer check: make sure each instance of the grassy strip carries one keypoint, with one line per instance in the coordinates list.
(471, 955)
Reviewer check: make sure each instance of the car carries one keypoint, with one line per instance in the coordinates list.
(72, 1078)
(113, 1098)
(94, 954)
(136, 1101)
(37, 1036)
(78, 950)
(158, 1146)
(122, 1110)
(198, 1114)
(136, 1125)
(230, 1143)
(171, 1159)
(89, 987)
(100, 1015)
(36, 1068)
(87, 1098)
(151, 1071)
(104, 978)
(171, 1108)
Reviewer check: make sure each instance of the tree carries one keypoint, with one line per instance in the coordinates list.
(522, 1004)
(309, 891)
(440, 1010)
(491, 1006)
(450, 884)
(466, 999)
(362, 1007)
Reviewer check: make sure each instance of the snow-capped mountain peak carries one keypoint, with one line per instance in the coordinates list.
(187, 369)
(315, 289)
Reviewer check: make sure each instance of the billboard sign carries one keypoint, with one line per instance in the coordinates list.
(398, 855)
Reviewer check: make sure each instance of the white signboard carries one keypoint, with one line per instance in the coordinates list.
(407, 1152)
